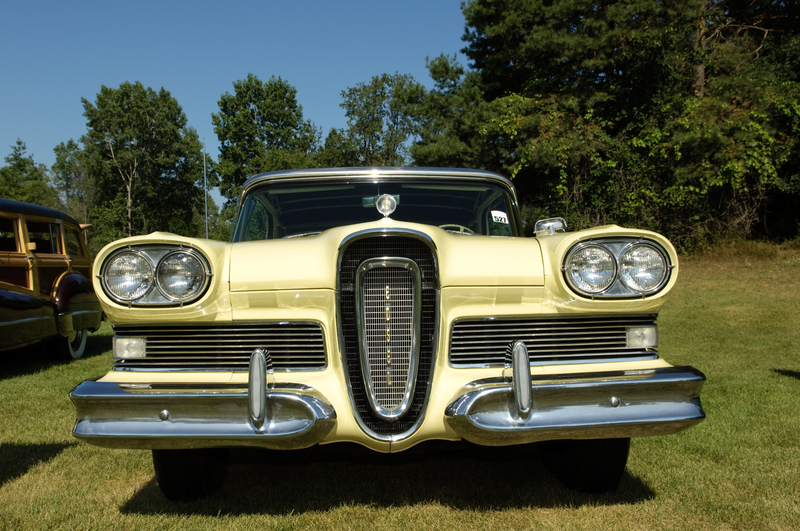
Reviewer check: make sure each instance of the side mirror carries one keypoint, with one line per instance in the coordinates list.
(550, 226)
(31, 246)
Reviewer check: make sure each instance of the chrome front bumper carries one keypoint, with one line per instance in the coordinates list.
(168, 416)
(591, 406)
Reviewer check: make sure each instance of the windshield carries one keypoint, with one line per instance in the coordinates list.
(293, 210)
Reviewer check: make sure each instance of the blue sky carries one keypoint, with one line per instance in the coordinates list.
(53, 53)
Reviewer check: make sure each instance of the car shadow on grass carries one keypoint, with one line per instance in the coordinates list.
(17, 459)
(789, 373)
(457, 475)
(35, 358)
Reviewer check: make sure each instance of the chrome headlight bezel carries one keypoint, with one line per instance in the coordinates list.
(580, 281)
(618, 288)
(110, 261)
(155, 255)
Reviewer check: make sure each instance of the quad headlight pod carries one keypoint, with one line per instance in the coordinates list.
(617, 268)
(155, 275)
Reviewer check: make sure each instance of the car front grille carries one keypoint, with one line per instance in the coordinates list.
(292, 346)
(357, 253)
(559, 339)
(388, 306)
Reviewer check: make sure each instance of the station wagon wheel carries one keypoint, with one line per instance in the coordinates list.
(75, 347)
(587, 465)
(185, 475)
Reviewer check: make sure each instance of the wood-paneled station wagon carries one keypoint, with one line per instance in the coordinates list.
(46, 291)
(386, 307)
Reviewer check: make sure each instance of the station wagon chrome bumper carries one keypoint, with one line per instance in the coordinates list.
(171, 416)
(590, 406)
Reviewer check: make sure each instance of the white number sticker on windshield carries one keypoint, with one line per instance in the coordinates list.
(499, 217)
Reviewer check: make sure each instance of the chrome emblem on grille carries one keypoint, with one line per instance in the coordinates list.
(388, 313)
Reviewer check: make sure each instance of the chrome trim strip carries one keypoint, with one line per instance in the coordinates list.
(112, 416)
(363, 328)
(589, 406)
(378, 174)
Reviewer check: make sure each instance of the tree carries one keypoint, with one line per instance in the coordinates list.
(22, 179)
(380, 119)
(338, 151)
(145, 160)
(679, 116)
(72, 180)
(260, 128)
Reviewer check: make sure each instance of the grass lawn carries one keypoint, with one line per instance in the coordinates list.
(734, 316)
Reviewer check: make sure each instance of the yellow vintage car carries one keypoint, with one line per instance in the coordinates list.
(386, 307)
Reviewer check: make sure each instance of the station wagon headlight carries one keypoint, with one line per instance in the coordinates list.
(591, 268)
(128, 276)
(622, 267)
(180, 275)
(642, 267)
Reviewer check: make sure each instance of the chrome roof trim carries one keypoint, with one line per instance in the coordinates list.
(369, 173)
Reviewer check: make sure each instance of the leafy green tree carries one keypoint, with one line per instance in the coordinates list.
(338, 151)
(73, 181)
(380, 120)
(260, 128)
(22, 179)
(679, 116)
(143, 156)
(451, 118)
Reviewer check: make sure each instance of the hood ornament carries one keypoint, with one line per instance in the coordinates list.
(386, 204)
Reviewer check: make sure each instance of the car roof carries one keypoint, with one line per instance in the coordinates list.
(384, 172)
(18, 207)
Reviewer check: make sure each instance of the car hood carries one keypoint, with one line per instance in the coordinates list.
(311, 262)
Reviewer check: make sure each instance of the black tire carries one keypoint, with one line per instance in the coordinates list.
(587, 465)
(185, 475)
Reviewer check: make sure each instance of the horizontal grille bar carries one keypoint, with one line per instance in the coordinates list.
(292, 346)
(548, 339)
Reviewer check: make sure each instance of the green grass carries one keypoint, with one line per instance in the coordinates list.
(734, 316)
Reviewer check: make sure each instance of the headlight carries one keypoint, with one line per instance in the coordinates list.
(591, 269)
(156, 275)
(616, 268)
(642, 268)
(180, 275)
(128, 276)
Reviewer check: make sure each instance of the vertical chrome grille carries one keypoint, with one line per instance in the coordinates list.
(353, 255)
(387, 292)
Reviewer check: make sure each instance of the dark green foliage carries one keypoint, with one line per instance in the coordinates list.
(72, 179)
(146, 161)
(379, 122)
(22, 179)
(678, 116)
(260, 128)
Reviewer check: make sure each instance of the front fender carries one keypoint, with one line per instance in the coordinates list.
(76, 304)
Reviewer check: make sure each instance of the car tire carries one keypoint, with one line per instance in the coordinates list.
(587, 465)
(73, 349)
(186, 475)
